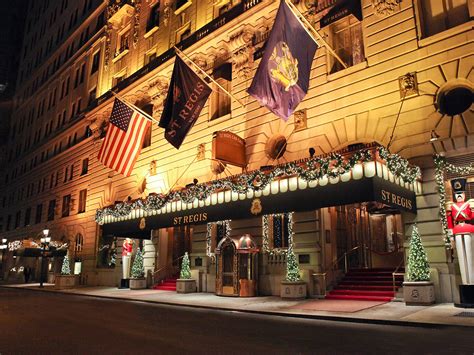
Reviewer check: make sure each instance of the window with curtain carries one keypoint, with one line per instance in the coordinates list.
(347, 41)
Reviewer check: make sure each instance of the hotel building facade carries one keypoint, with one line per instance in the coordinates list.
(407, 86)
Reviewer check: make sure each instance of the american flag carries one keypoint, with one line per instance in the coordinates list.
(124, 138)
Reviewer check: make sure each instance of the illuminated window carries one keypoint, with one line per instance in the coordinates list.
(347, 41)
(220, 104)
(66, 208)
(82, 201)
(440, 15)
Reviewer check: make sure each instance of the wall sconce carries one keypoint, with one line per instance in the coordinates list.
(152, 168)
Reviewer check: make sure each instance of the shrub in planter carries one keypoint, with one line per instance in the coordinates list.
(138, 280)
(292, 287)
(65, 279)
(185, 284)
(418, 290)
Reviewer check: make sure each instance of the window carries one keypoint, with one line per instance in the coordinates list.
(182, 5)
(92, 96)
(440, 15)
(147, 138)
(27, 216)
(9, 221)
(83, 70)
(51, 210)
(278, 230)
(95, 62)
(82, 201)
(219, 230)
(39, 212)
(154, 19)
(220, 101)
(17, 219)
(347, 41)
(66, 173)
(122, 43)
(85, 166)
(106, 252)
(66, 206)
(79, 242)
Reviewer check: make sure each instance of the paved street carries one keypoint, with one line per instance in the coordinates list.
(37, 322)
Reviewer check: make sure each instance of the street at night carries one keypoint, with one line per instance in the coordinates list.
(38, 323)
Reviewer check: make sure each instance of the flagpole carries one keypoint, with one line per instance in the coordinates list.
(299, 16)
(135, 107)
(178, 51)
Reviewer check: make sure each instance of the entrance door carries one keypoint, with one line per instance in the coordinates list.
(228, 272)
(386, 242)
(181, 242)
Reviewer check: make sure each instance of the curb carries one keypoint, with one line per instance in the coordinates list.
(267, 313)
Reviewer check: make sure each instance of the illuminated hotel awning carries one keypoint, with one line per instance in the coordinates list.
(370, 180)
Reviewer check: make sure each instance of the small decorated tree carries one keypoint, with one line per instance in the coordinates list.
(418, 266)
(66, 268)
(185, 269)
(138, 270)
(292, 267)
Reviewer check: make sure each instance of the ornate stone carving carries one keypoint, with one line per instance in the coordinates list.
(242, 51)
(136, 22)
(408, 85)
(384, 8)
(300, 120)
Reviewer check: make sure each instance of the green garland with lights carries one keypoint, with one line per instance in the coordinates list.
(209, 252)
(332, 166)
(442, 166)
(266, 239)
(400, 167)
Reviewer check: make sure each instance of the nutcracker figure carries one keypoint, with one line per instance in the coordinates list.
(460, 216)
(127, 248)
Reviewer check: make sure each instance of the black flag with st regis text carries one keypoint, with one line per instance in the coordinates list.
(186, 97)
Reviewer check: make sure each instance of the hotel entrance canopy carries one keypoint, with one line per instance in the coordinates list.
(363, 175)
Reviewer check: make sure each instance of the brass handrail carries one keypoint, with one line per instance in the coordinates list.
(395, 273)
(171, 265)
(345, 258)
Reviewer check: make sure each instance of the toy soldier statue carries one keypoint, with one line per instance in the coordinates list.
(127, 249)
(460, 215)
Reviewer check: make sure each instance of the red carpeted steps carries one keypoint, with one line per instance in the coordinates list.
(166, 285)
(367, 285)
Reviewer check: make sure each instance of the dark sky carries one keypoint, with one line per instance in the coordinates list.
(12, 18)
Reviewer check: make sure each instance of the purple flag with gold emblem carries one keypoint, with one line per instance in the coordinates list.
(186, 97)
(282, 78)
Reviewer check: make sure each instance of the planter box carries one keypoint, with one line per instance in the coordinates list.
(185, 285)
(293, 290)
(64, 281)
(419, 293)
(137, 284)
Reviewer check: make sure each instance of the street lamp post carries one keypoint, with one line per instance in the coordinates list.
(3, 247)
(44, 246)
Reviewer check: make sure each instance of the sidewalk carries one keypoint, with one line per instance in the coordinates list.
(395, 313)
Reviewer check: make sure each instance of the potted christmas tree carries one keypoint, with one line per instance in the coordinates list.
(292, 287)
(138, 281)
(418, 290)
(185, 284)
(65, 279)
